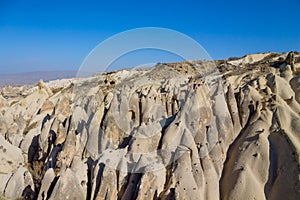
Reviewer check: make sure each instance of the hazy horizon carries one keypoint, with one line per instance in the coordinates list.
(39, 36)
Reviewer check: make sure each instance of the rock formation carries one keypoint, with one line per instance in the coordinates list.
(227, 129)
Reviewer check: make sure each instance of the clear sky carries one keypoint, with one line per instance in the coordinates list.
(38, 35)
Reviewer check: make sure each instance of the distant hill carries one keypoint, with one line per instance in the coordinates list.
(34, 77)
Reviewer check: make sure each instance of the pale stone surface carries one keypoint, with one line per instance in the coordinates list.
(16, 185)
(4, 179)
(48, 179)
(67, 187)
(227, 129)
(10, 156)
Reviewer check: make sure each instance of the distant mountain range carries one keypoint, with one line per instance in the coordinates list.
(33, 77)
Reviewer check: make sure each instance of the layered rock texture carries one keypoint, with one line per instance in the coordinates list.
(228, 129)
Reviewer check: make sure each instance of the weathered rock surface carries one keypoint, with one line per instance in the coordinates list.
(10, 156)
(191, 130)
(20, 185)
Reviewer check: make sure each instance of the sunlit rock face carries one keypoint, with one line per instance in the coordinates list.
(226, 129)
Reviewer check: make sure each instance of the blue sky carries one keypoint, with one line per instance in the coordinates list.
(40, 35)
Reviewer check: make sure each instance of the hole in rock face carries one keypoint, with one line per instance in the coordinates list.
(207, 128)
(83, 183)
(112, 82)
(132, 115)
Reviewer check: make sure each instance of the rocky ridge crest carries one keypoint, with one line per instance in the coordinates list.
(227, 129)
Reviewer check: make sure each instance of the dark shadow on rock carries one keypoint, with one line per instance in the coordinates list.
(98, 179)
(132, 186)
(171, 195)
(33, 150)
(28, 193)
(51, 188)
(273, 166)
(51, 163)
(48, 117)
(51, 141)
(90, 171)
(125, 142)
